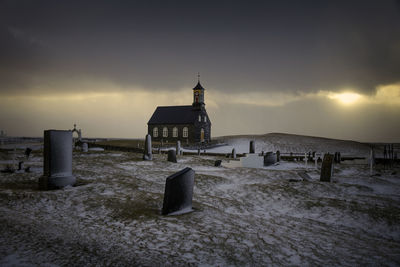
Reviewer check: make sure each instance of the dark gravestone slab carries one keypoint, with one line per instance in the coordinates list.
(178, 193)
(28, 151)
(57, 160)
(217, 163)
(278, 155)
(20, 165)
(327, 168)
(252, 148)
(269, 159)
(172, 156)
(337, 157)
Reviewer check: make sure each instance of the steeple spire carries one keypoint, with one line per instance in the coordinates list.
(198, 77)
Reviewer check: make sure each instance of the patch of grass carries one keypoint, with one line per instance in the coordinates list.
(144, 205)
(204, 181)
(390, 214)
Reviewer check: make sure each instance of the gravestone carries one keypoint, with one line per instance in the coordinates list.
(28, 151)
(233, 153)
(147, 148)
(337, 157)
(371, 161)
(218, 163)
(278, 156)
(178, 193)
(327, 168)
(315, 160)
(171, 156)
(85, 147)
(252, 148)
(57, 154)
(269, 159)
(305, 160)
(178, 148)
(20, 165)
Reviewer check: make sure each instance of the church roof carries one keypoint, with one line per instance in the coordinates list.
(174, 115)
(198, 86)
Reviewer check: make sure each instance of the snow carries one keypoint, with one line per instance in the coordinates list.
(241, 216)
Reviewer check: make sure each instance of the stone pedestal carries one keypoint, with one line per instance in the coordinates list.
(57, 164)
(178, 192)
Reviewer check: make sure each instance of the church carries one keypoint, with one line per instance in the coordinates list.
(188, 124)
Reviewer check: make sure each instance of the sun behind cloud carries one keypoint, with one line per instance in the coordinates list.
(346, 98)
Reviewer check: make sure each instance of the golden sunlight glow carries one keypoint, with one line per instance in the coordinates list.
(346, 98)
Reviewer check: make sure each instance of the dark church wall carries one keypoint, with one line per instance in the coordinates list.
(193, 132)
(170, 139)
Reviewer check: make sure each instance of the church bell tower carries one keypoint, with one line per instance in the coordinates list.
(198, 95)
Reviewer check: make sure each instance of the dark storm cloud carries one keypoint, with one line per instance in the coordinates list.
(258, 45)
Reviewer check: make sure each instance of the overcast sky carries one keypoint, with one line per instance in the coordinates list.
(306, 67)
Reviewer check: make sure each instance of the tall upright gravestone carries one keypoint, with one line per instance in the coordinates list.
(148, 155)
(233, 153)
(252, 148)
(178, 148)
(57, 166)
(178, 193)
(327, 168)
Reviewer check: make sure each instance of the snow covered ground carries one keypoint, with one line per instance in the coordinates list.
(242, 217)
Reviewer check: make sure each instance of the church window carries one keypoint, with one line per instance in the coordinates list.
(185, 132)
(199, 118)
(205, 118)
(175, 132)
(165, 132)
(155, 132)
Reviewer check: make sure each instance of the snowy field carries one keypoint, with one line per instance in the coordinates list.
(243, 217)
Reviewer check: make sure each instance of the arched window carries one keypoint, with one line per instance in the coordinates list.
(199, 118)
(155, 132)
(185, 132)
(165, 132)
(175, 132)
(205, 118)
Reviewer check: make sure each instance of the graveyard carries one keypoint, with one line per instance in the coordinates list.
(280, 214)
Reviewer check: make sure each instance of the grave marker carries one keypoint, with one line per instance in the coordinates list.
(178, 193)
(57, 166)
(327, 168)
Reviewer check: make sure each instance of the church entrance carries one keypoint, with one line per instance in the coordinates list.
(202, 135)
